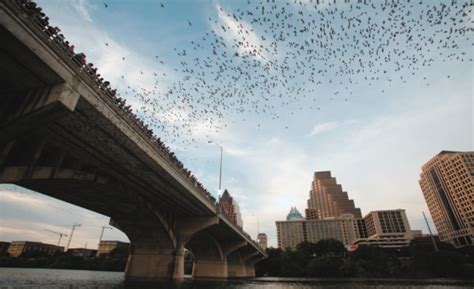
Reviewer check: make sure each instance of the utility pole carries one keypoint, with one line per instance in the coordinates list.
(220, 166)
(102, 232)
(258, 226)
(57, 233)
(70, 236)
(431, 234)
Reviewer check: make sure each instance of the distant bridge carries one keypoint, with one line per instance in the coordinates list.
(63, 135)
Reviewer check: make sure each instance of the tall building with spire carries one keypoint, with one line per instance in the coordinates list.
(328, 200)
(230, 208)
(447, 182)
(294, 215)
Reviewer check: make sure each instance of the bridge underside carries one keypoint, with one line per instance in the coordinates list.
(59, 136)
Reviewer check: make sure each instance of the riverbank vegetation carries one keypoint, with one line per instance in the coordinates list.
(116, 260)
(329, 258)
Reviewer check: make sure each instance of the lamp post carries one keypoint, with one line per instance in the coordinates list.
(220, 166)
(431, 234)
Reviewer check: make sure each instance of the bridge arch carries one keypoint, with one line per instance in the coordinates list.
(210, 260)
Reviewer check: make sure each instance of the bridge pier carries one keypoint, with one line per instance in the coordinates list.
(249, 270)
(152, 264)
(210, 269)
(235, 265)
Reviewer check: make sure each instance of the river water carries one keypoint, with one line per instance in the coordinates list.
(16, 278)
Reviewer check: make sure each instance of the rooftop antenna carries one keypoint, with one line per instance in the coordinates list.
(431, 234)
(70, 236)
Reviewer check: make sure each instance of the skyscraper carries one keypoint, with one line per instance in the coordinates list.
(447, 182)
(327, 199)
(291, 232)
(230, 208)
(294, 215)
(262, 240)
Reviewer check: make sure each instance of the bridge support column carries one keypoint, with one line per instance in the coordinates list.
(236, 270)
(249, 270)
(152, 264)
(210, 269)
(235, 264)
(153, 255)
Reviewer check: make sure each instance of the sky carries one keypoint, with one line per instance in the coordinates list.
(372, 134)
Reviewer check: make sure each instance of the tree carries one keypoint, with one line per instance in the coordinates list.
(271, 266)
(372, 261)
(292, 264)
(306, 250)
(329, 248)
(324, 267)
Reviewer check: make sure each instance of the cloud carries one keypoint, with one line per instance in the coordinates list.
(83, 8)
(240, 31)
(330, 126)
(324, 127)
(22, 199)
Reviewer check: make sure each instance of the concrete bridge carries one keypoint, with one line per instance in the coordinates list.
(64, 136)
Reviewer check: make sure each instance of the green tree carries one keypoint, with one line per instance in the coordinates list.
(327, 266)
(271, 266)
(292, 264)
(372, 261)
(329, 248)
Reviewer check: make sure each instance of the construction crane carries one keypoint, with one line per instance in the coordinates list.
(102, 232)
(70, 236)
(60, 235)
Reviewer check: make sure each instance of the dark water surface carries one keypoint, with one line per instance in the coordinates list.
(71, 279)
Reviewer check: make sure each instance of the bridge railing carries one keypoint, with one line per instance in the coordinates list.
(34, 14)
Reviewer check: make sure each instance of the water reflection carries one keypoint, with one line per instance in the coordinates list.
(16, 278)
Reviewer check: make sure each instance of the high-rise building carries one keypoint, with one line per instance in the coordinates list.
(262, 240)
(292, 232)
(230, 208)
(22, 248)
(294, 215)
(327, 199)
(447, 182)
(387, 228)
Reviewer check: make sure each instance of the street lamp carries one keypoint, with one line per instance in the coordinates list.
(258, 223)
(220, 167)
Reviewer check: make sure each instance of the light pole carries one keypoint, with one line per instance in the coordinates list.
(102, 232)
(220, 166)
(431, 234)
(258, 223)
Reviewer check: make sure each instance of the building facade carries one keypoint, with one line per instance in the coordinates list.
(290, 233)
(106, 246)
(447, 182)
(328, 200)
(4, 247)
(82, 252)
(24, 248)
(387, 228)
(230, 208)
(295, 230)
(262, 240)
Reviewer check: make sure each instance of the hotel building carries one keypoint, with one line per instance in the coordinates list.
(447, 182)
(387, 228)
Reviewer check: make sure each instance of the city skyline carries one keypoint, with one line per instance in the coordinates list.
(375, 144)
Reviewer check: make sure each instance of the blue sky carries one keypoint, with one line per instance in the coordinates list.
(374, 143)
